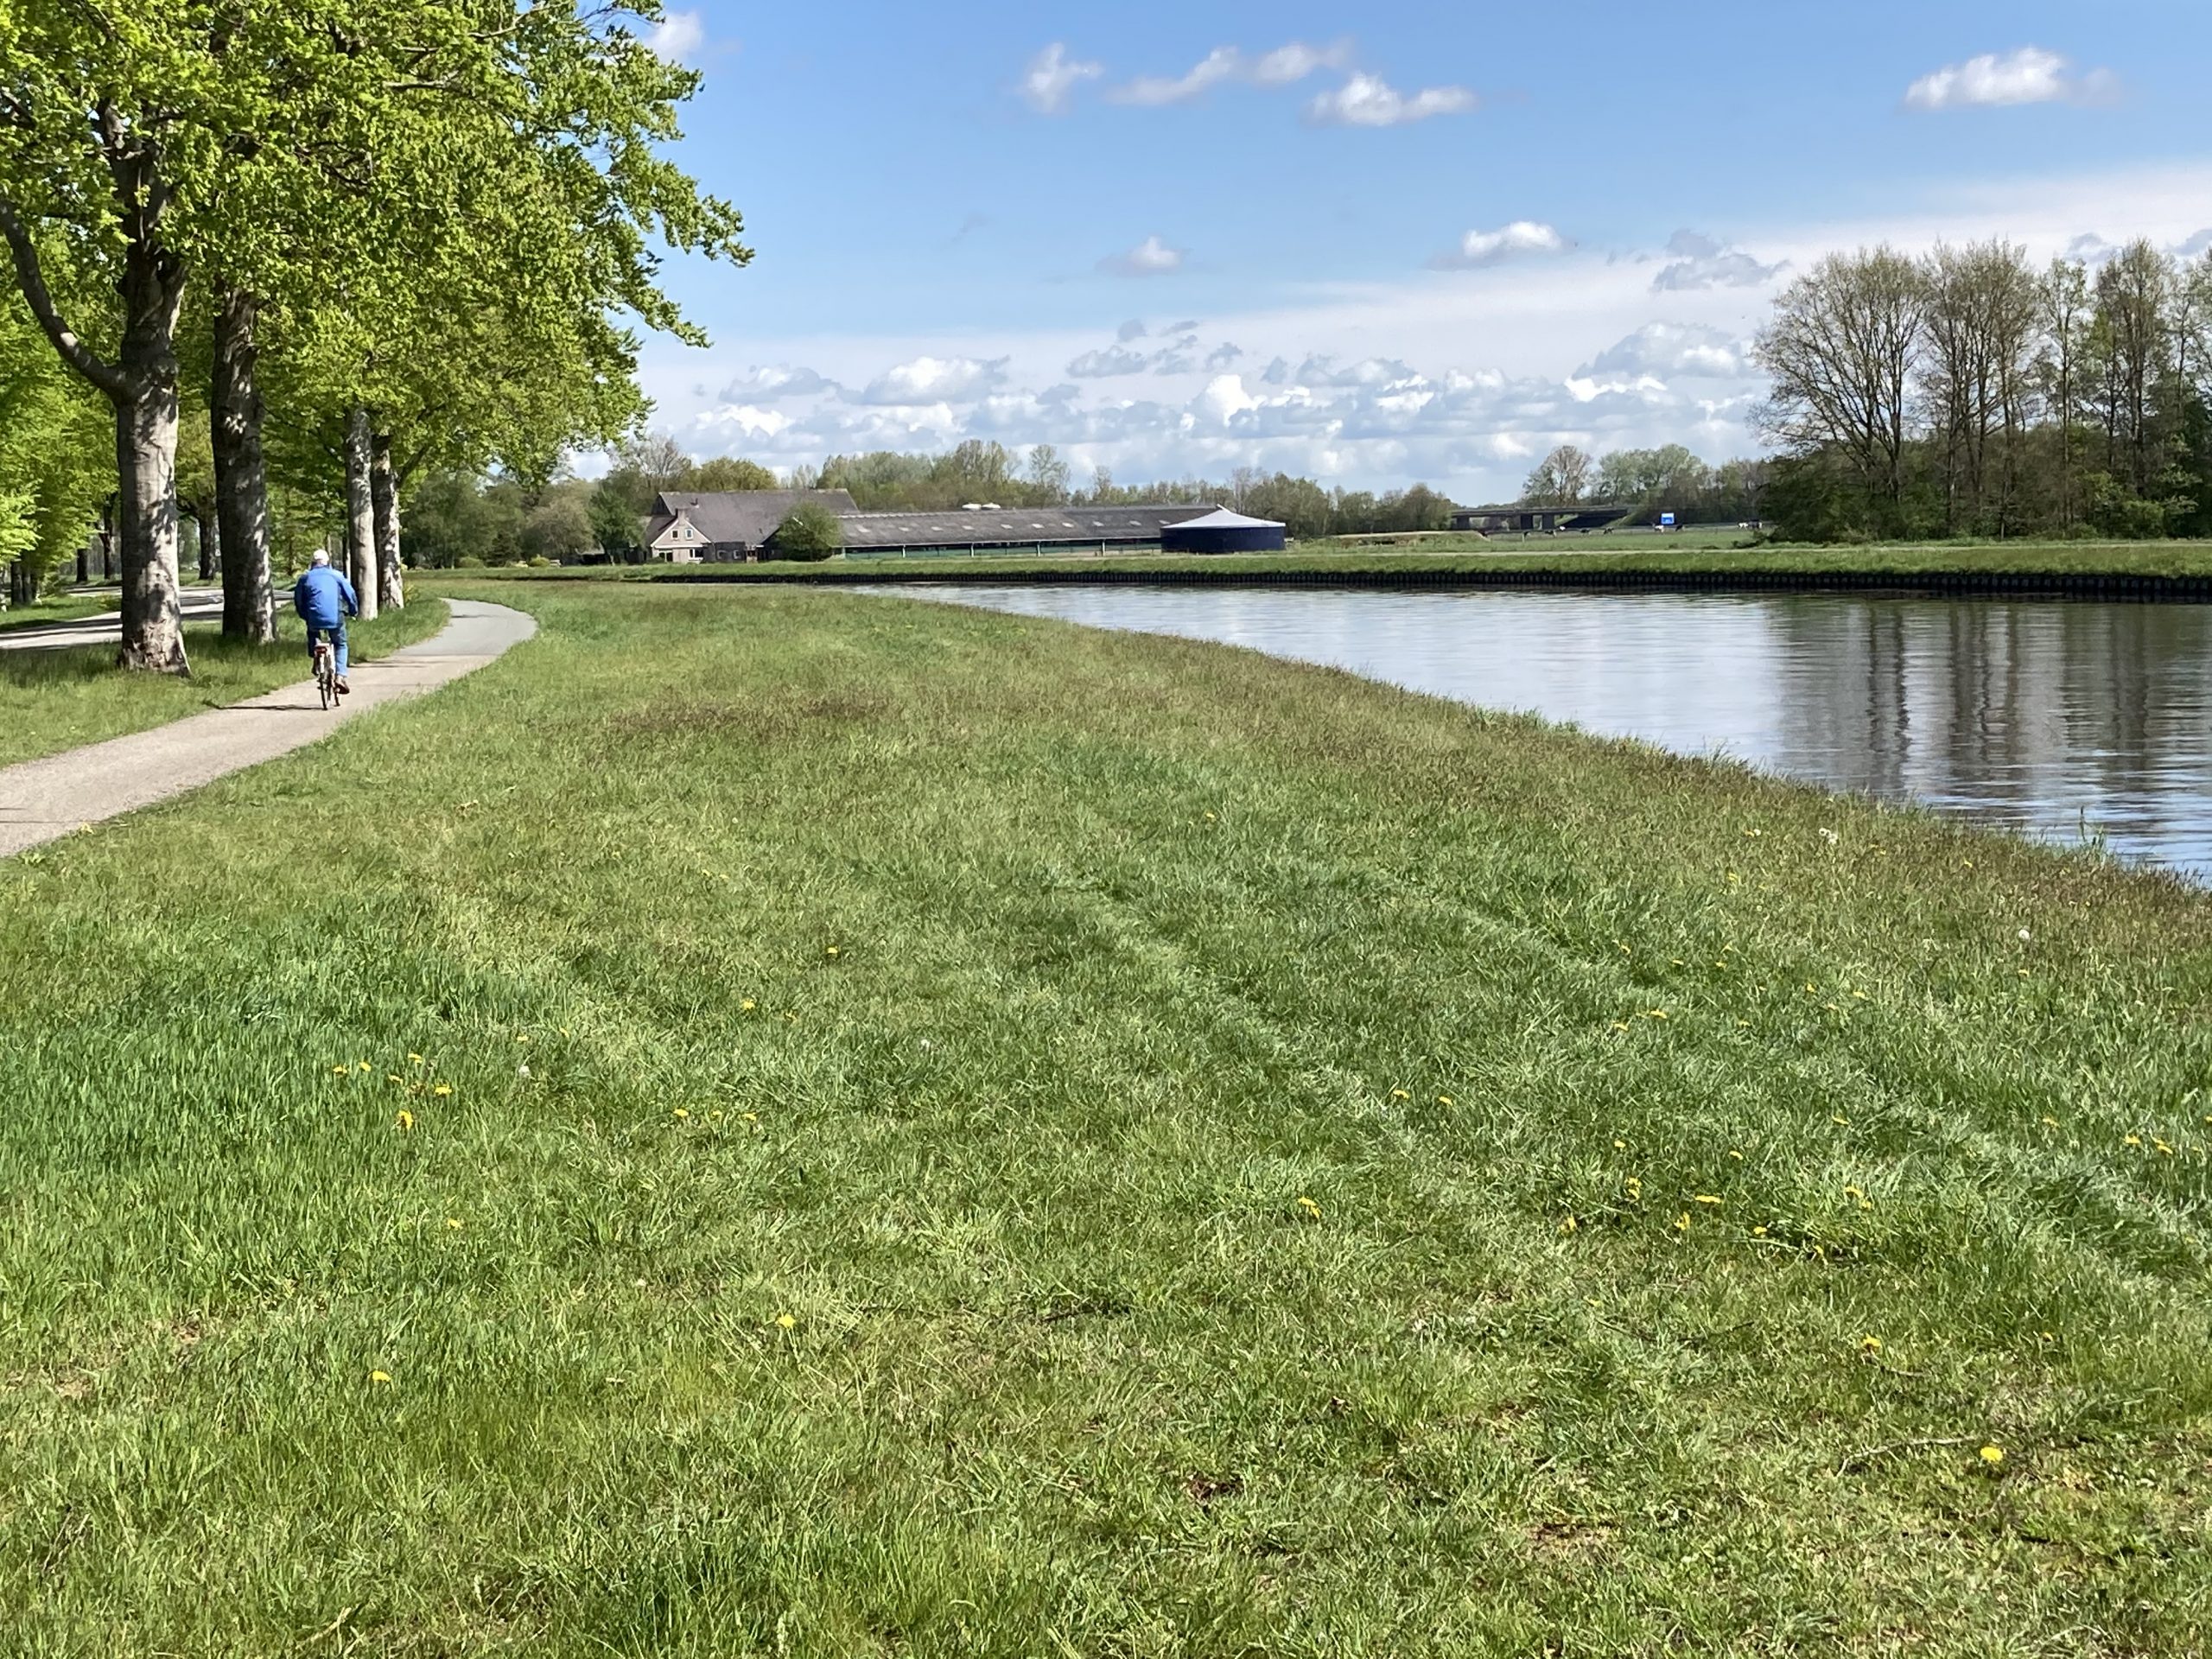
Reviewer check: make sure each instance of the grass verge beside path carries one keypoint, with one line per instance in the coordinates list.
(786, 1122)
(65, 607)
(1477, 561)
(55, 699)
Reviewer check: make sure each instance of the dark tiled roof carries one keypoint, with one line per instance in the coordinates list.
(1012, 526)
(745, 517)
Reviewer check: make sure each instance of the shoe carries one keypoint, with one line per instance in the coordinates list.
(344, 689)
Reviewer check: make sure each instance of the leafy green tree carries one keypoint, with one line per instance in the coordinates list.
(617, 527)
(730, 473)
(809, 531)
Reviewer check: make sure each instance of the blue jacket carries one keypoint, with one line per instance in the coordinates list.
(320, 593)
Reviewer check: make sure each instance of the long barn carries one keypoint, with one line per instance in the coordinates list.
(733, 526)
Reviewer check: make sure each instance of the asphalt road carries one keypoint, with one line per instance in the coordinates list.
(200, 605)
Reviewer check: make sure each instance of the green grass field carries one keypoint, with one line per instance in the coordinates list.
(56, 700)
(786, 1122)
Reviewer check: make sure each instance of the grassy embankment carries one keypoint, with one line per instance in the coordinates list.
(789, 1122)
(56, 700)
(1580, 557)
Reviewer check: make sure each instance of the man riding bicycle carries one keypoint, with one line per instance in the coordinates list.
(324, 600)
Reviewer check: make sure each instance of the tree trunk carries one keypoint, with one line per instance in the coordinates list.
(360, 513)
(241, 478)
(384, 495)
(207, 535)
(146, 513)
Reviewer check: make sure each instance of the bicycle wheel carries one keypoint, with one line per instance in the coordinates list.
(324, 680)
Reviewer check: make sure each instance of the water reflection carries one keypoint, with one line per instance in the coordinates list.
(2058, 719)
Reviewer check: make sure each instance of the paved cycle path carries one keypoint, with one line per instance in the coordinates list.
(197, 604)
(45, 799)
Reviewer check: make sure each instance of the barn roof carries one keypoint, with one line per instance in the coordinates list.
(740, 517)
(1010, 526)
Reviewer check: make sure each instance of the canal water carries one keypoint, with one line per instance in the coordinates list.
(2061, 718)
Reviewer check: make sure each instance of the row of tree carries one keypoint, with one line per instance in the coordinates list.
(356, 243)
(1651, 483)
(1968, 393)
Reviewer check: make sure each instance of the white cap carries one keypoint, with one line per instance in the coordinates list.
(321, 556)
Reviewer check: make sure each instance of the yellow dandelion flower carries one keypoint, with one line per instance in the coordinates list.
(1838, 1118)
(1861, 996)
(1738, 1156)
(341, 1071)
(1683, 1222)
(752, 1117)
(363, 1066)
(522, 1037)
(405, 1120)
(2051, 1123)
(442, 1090)
(1992, 1455)
(1865, 1204)
(833, 950)
(1310, 1207)
(413, 1058)
(1705, 1197)
(394, 1077)
(1655, 1013)
(1854, 1192)
(452, 1224)
(380, 1376)
(785, 1321)
(680, 1112)
(1444, 1100)
(1870, 1344)
(1400, 1094)
(2162, 1146)
(1758, 1232)
(1620, 1025)
(2133, 1141)
(1620, 1145)
(1568, 1225)
(748, 1004)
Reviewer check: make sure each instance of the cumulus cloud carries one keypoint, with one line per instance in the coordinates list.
(769, 383)
(1150, 258)
(678, 36)
(1670, 350)
(1223, 356)
(1289, 64)
(1133, 329)
(2029, 75)
(928, 380)
(1114, 361)
(1699, 261)
(1368, 100)
(1284, 67)
(1522, 238)
(1052, 77)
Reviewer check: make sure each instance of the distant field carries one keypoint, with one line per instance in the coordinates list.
(1578, 558)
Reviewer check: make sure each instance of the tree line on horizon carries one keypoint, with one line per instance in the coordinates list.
(1967, 393)
(274, 267)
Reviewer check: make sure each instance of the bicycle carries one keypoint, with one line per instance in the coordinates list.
(325, 672)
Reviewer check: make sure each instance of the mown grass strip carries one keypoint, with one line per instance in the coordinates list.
(783, 1121)
(55, 699)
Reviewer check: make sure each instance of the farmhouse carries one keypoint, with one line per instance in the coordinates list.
(727, 526)
(739, 526)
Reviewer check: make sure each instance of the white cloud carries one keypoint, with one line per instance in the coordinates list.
(1284, 67)
(1133, 329)
(1110, 364)
(678, 36)
(738, 423)
(1671, 350)
(1150, 258)
(1523, 238)
(1368, 100)
(928, 380)
(1287, 65)
(1052, 77)
(1223, 63)
(2029, 75)
(1699, 261)
(769, 383)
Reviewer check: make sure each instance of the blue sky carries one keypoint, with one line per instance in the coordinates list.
(1371, 243)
